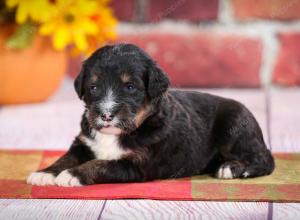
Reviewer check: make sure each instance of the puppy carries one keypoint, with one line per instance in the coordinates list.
(135, 129)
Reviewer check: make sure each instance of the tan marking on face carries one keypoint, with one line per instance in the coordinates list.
(125, 77)
(94, 78)
(142, 114)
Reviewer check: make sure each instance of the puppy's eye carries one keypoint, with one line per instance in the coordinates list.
(129, 87)
(93, 88)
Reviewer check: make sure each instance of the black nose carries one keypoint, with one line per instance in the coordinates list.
(107, 117)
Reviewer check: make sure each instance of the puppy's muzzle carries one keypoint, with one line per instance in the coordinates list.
(108, 117)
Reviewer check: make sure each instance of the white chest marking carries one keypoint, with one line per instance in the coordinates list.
(105, 146)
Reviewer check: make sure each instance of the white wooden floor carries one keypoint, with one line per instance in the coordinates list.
(53, 125)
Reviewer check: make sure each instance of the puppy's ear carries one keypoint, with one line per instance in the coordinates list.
(78, 83)
(158, 81)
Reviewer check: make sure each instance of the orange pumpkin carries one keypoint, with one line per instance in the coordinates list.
(32, 74)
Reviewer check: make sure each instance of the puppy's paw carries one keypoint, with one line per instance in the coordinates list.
(246, 174)
(65, 178)
(232, 169)
(41, 179)
(225, 172)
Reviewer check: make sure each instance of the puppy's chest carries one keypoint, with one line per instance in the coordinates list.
(106, 147)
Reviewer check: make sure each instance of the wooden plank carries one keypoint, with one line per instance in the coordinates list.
(53, 124)
(48, 125)
(285, 120)
(15, 209)
(285, 137)
(286, 211)
(150, 209)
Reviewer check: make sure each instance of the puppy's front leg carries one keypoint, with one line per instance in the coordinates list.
(101, 171)
(76, 155)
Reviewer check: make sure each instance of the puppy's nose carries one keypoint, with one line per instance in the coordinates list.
(107, 117)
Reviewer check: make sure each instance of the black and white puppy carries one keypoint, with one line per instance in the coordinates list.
(135, 129)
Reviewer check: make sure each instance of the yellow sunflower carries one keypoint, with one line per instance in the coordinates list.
(71, 23)
(107, 25)
(36, 10)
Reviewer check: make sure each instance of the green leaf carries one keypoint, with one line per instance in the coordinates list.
(22, 37)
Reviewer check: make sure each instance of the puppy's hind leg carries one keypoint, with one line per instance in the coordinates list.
(250, 160)
(242, 151)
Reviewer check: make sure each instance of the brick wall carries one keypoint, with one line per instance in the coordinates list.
(217, 43)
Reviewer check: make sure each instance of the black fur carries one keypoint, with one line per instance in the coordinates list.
(180, 134)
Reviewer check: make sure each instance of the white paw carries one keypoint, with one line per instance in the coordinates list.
(224, 172)
(66, 179)
(246, 174)
(41, 179)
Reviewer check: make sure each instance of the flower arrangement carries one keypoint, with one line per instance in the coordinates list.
(83, 24)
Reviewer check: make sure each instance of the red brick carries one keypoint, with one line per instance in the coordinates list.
(266, 9)
(287, 68)
(204, 59)
(124, 10)
(191, 10)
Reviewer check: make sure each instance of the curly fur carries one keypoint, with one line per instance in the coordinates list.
(165, 133)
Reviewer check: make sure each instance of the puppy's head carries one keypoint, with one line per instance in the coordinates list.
(119, 84)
